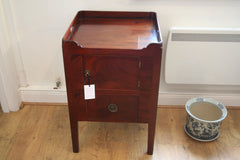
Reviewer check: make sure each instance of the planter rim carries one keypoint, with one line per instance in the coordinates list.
(207, 100)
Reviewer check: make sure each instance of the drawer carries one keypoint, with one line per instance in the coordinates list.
(113, 108)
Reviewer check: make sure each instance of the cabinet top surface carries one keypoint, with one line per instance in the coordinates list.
(114, 32)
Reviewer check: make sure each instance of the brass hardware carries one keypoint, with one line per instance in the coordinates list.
(87, 73)
(139, 83)
(139, 64)
(112, 107)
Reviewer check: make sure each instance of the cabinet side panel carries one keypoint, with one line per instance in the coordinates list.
(148, 101)
(146, 72)
(144, 107)
(75, 99)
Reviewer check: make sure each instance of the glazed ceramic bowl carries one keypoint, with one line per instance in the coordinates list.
(204, 119)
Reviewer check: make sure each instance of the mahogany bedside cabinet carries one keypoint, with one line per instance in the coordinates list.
(112, 67)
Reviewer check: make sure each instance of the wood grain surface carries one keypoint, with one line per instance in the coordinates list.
(43, 133)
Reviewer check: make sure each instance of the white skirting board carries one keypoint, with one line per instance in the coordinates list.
(49, 95)
(43, 94)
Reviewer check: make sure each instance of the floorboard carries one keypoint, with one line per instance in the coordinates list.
(42, 132)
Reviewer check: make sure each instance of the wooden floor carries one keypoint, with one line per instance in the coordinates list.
(43, 133)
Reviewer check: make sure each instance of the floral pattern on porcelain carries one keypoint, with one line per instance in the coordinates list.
(202, 130)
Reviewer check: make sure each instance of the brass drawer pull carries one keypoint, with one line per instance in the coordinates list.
(112, 107)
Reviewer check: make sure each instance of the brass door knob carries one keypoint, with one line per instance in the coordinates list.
(112, 107)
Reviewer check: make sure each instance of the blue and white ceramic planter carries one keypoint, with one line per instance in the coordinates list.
(202, 122)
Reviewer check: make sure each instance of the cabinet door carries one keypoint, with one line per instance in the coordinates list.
(109, 73)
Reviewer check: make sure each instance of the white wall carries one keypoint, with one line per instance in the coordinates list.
(41, 24)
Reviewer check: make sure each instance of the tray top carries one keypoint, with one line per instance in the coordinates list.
(115, 32)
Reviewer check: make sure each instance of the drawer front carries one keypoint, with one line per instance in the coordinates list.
(109, 72)
(113, 108)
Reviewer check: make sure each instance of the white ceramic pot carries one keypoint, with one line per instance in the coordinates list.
(204, 119)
